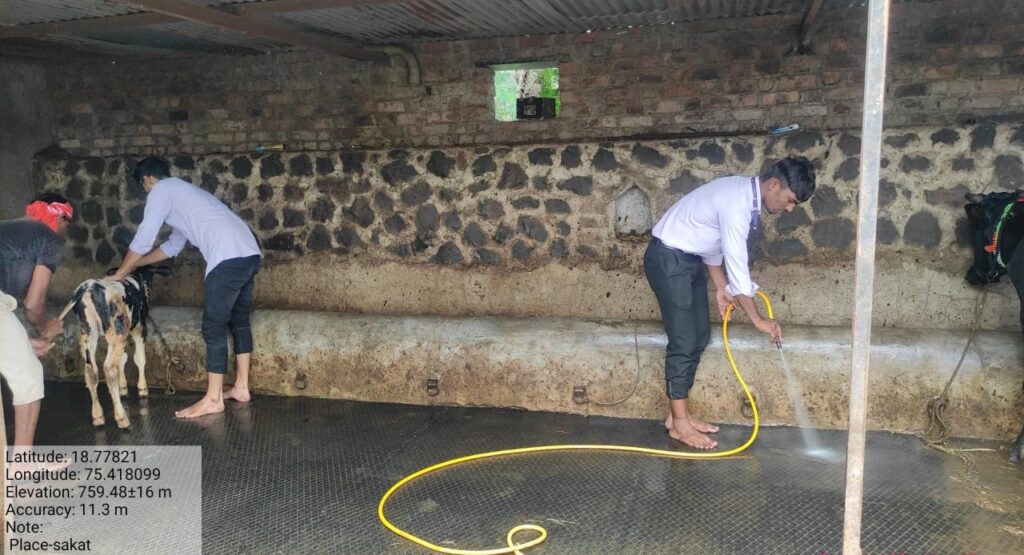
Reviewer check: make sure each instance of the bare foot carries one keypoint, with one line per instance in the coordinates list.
(697, 423)
(240, 394)
(202, 407)
(703, 426)
(684, 432)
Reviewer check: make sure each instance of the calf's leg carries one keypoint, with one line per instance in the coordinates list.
(115, 349)
(1015, 269)
(87, 344)
(122, 383)
(140, 361)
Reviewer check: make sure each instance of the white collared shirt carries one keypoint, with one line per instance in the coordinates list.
(713, 222)
(196, 217)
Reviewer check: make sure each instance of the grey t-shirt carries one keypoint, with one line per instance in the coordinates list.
(25, 244)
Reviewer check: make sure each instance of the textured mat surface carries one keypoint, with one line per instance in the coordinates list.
(287, 475)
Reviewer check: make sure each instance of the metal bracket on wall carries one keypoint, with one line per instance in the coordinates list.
(745, 409)
(579, 394)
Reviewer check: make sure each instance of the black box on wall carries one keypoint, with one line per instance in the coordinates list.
(535, 108)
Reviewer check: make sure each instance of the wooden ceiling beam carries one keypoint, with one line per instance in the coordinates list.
(236, 17)
(807, 25)
(79, 26)
(210, 16)
(268, 7)
(94, 24)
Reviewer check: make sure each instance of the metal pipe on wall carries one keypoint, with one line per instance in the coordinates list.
(867, 218)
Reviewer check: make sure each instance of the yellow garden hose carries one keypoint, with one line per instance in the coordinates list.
(542, 534)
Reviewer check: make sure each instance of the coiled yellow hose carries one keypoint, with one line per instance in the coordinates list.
(542, 534)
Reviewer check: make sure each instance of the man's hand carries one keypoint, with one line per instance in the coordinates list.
(770, 327)
(40, 346)
(724, 300)
(130, 262)
(52, 329)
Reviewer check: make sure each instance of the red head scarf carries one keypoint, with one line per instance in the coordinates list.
(49, 213)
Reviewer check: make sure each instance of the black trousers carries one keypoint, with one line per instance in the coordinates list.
(227, 301)
(679, 283)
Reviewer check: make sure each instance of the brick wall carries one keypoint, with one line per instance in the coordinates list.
(951, 61)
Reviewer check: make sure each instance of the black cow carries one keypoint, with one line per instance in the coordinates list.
(117, 310)
(997, 225)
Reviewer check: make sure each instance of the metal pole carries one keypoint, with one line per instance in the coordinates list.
(3, 473)
(870, 158)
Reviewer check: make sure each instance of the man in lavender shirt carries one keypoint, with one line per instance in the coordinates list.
(232, 257)
(708, 228)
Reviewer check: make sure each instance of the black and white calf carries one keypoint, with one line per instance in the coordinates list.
(997, 226)
(117, 310)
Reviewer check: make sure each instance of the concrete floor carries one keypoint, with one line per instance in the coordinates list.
(299, 475)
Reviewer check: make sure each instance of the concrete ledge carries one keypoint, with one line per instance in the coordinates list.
(534, 363)
(811, 294)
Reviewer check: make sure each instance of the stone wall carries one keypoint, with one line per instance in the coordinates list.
(950, 62)
(559, 230)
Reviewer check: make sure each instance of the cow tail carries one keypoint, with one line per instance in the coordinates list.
(76, 297)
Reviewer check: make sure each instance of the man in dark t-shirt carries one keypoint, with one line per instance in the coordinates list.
(25, 244)
(31, 248)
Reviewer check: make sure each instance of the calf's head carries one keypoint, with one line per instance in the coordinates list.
(145, 273)
(144, 276)
(983, 215)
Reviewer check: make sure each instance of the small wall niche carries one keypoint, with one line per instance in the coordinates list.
(633, 217)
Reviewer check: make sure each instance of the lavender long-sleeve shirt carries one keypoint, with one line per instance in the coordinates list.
(713, 222)
(197, 217)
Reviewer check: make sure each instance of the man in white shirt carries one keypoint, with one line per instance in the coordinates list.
(707, 227)
(232, 257)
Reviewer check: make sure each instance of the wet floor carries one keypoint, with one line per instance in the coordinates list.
(289, 475)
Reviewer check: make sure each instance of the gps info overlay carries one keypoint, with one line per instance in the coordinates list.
(78, 499)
